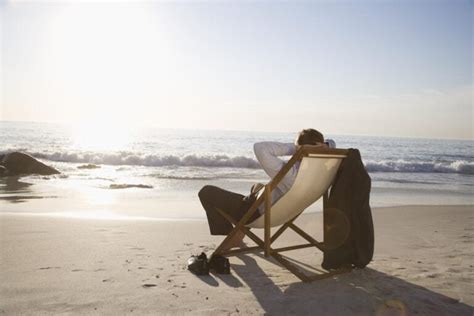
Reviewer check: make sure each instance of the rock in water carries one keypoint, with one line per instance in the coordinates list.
(17, 163)
(88, 166)
(3, 171)
(126, 186)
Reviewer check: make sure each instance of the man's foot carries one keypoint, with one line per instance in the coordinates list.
(236, 241)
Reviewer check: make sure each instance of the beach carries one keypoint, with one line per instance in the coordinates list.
(111, 234)
(114, 115)
(423, 264)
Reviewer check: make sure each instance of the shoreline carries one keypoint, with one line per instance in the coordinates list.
(84, 215)
(422, 264)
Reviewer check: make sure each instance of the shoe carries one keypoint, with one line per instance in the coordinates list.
(198, 264)
(220, 264)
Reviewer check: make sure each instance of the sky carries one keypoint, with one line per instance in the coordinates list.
(382, 68)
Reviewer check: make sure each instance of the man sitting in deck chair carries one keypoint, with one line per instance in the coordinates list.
(236, 205)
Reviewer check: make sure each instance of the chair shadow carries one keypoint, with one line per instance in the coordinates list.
(360, 292)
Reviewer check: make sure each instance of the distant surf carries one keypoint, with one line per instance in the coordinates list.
(149, 160)
(458, 166)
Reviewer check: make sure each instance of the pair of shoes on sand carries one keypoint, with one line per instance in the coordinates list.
(199, 265)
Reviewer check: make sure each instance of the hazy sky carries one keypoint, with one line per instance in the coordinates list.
(389, 68)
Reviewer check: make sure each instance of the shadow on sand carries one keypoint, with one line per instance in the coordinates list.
(361, 292)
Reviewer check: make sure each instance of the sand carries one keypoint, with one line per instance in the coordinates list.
(423, 265)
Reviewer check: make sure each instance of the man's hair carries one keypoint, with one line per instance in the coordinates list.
(309, 136)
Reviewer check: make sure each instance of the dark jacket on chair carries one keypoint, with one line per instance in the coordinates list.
(348, 226)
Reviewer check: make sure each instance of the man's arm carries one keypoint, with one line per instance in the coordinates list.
(268, 154)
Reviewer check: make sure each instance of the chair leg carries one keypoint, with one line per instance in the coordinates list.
(306, 278)
(239, 225)
(267, 219)
(265, 244)
(282, 229)
(291, 267)
(303, 234)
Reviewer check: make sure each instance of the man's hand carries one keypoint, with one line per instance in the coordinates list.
(256, 187)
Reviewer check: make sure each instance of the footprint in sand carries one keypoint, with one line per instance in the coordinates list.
(148, 285)
(47, 268)
(433, 275)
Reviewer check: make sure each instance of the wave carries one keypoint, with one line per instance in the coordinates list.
(209, 161)
(458, 166)
(127, 158)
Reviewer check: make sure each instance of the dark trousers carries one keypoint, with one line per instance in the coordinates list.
(234, 204)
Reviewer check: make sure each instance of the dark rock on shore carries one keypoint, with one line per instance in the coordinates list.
(88, 166)
(3, 171)
(17, 163)
(127, 186)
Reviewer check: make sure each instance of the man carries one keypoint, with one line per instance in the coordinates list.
(236, 205)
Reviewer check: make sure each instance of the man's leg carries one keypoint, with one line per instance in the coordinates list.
(212, 198)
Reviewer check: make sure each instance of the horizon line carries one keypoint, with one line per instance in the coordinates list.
(242, 130)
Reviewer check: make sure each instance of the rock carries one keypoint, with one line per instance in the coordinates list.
(127, 186)
(3, 171)
(88, 166)
(17, 163)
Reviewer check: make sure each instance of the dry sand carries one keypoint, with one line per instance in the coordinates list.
(423, 265)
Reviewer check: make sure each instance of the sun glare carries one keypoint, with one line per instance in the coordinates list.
(101, 137)
(109, 59)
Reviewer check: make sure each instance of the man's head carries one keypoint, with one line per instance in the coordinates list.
(309, 136)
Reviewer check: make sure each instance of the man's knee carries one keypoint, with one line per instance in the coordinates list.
(205, 192)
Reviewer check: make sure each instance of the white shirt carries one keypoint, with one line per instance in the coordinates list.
(268, 155)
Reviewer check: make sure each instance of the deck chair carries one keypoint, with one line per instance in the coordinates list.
(318, 168)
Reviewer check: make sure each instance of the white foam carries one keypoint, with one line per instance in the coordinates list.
(458, 166)
(128, 158)
(156, 160)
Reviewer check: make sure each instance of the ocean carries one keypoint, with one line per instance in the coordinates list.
(151, 173)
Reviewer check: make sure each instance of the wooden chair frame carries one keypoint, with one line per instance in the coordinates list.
(265, 244)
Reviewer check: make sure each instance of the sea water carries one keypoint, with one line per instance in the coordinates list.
(157, 173)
